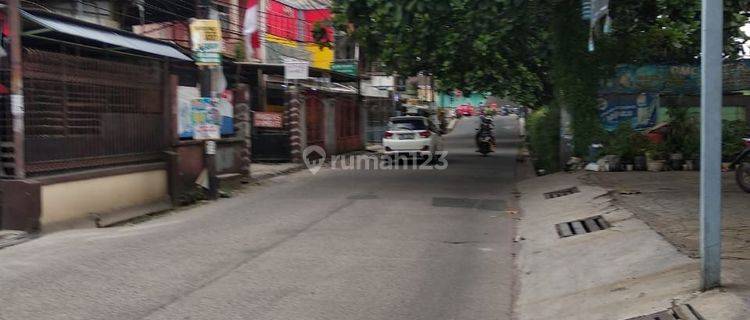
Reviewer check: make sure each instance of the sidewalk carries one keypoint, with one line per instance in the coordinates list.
(625, 271)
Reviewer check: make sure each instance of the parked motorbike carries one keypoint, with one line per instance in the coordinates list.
(742, 167)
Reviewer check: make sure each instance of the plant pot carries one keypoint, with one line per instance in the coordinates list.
(689, 165)
(655, 165)
(640, 163)
(629, 167)
(676, 161)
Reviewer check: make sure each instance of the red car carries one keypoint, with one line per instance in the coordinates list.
(465, 110)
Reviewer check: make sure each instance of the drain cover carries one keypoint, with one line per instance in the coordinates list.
(481, 204)
(583, 226)
(561, 193)
(664, 315)
(680, 312)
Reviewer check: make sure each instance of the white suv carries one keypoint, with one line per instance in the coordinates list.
(412, 135)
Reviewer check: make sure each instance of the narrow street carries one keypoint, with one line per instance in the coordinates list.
(342, 244)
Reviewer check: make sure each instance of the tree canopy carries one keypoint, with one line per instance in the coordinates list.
(475, 45)
(512, 47)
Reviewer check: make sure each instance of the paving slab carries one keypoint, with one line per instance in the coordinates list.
(625, 271)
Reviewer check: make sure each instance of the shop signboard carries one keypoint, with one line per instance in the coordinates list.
(268, 120)
(205, 36)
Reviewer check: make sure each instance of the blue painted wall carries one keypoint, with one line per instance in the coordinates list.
(448, 101)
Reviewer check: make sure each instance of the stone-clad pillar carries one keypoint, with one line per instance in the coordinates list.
(295, 128)
(243, 126)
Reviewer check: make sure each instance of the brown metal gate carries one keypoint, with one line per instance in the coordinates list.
(315, 121)
(347, 125)
(84, 112)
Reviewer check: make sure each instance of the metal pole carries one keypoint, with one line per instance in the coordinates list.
(16, 88)
(204, 12)
(711, 104)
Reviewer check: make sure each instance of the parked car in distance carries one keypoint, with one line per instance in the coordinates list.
(466, 110)
(412, 136)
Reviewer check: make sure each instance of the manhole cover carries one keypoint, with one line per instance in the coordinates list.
(454, 202)
(561, 193)
(362, 196)
(583, 226)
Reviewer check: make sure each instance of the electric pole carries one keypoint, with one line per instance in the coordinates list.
(204, 12)
(711, 104)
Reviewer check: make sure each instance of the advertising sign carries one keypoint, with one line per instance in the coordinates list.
(206, 119)
(268, 120)
(680, 79)
(349, 68)
(638, 110)
(296, 70)
(185, 97)
(205, 36)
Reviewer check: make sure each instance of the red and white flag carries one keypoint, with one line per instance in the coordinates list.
(251, 30)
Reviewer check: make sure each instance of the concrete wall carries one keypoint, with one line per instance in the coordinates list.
(75, 200)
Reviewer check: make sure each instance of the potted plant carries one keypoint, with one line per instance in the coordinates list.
(682, 136)
(655, 157)
(630, 146)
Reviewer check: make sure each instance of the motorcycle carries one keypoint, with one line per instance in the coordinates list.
(485, 145)
(485, 140)
(741, 167)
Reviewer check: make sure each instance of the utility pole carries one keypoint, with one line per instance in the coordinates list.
(204, 12)
(710, 180)
(16, 88)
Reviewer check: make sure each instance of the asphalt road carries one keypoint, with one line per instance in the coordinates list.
(341, 244)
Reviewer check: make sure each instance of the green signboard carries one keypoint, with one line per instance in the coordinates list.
(349, 68)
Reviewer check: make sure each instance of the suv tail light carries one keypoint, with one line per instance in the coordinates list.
(388, 134)
(425, 134)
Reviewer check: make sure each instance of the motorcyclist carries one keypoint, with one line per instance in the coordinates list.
(485, 127)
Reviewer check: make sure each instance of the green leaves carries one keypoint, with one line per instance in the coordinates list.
(466, 44)
(526, 49)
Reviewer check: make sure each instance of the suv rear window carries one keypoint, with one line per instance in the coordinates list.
(407, 124)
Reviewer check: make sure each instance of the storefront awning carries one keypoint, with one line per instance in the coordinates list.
(120, 39)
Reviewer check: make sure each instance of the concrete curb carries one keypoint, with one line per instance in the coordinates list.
(622, 272)
(12, 237)
(271, 175)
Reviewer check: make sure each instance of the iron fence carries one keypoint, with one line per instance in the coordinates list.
(87, 112)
